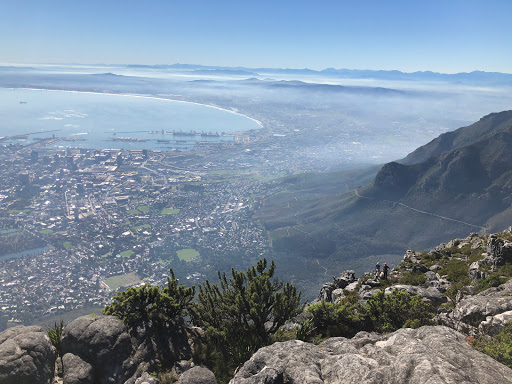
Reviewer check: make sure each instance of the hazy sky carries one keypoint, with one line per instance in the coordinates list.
(409, 35)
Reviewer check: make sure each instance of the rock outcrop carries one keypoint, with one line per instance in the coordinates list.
(197, 375)
(425, 355)
(26, 356)
(485, 313)
(101, 342)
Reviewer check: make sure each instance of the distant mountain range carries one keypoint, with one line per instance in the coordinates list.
(459, 182)
(470, 78)
(475, 77)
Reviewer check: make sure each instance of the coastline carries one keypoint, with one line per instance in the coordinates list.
(260, 124)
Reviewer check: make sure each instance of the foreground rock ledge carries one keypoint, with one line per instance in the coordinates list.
(426, 355)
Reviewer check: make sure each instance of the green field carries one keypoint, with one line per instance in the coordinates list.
(139, 227)
(115, 282)
(141, 209)
(46, 231)
(170, 211)
(67, 245)
(126, 253)
(187, 254)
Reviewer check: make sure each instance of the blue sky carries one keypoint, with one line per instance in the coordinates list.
(443, 36)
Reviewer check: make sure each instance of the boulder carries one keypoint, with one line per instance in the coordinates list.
(481, 313)
(146, 378)
(498, 251)
(26, 356)
(337, 295)
(419, 268)
(430, 294)
(197, 375)
(101, 341)
(431, 355)
(344, 279)
(434, 280)
(352, 286)
(76, 371)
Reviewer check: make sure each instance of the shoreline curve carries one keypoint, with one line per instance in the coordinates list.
(153, 97)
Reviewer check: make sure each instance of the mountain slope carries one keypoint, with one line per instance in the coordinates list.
(464, 186)
(461, 137)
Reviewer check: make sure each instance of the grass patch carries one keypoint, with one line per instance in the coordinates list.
(126, 253)
(139, 227)
(170, 211)
(67, 245)
(141, 209)
(187, 254)
(46, 231)
(118, 281)
(14, 211)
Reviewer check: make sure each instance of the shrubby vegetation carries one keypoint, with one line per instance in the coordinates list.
(499, 347)
(152, 304)
(241, 314)
(381, 313)
(238, 316)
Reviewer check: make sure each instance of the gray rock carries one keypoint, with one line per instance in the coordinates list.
(368, 294)
(197, 375)
(326, 292)
(499, 251)
(26, 356)
(494, 324)
(352, 286)
(436, 267)
(344, 279)
(419, 268)
(102, 342)
(410, 257)
(337, 295)
(373, 283)
(76, 371)
(431, 294)
(431, 355)
(435, 281)
(146, 378)
(474, 314)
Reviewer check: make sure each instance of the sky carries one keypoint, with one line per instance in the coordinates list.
(445, 36)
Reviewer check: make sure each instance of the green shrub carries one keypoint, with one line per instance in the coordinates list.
(345, 318)
(152, 304)
(499, 347)
(382, 313)
(412, 278)
(241, 314)
(456, 271)
(55, 335)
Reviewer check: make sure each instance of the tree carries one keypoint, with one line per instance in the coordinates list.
(241, 313)
(152, 303)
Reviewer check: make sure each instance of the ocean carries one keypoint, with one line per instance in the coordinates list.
(99, 121)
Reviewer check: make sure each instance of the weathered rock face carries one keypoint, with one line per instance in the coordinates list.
(197, 375)
(430, 294)
(340, 282)
(100, 341)
(26, 356)
(484, 313)
(425, 355)
(499, 251)
(76, 371)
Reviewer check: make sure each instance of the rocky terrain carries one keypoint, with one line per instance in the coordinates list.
(466, 281)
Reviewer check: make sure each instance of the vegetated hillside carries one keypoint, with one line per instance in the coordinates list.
(465, 186)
